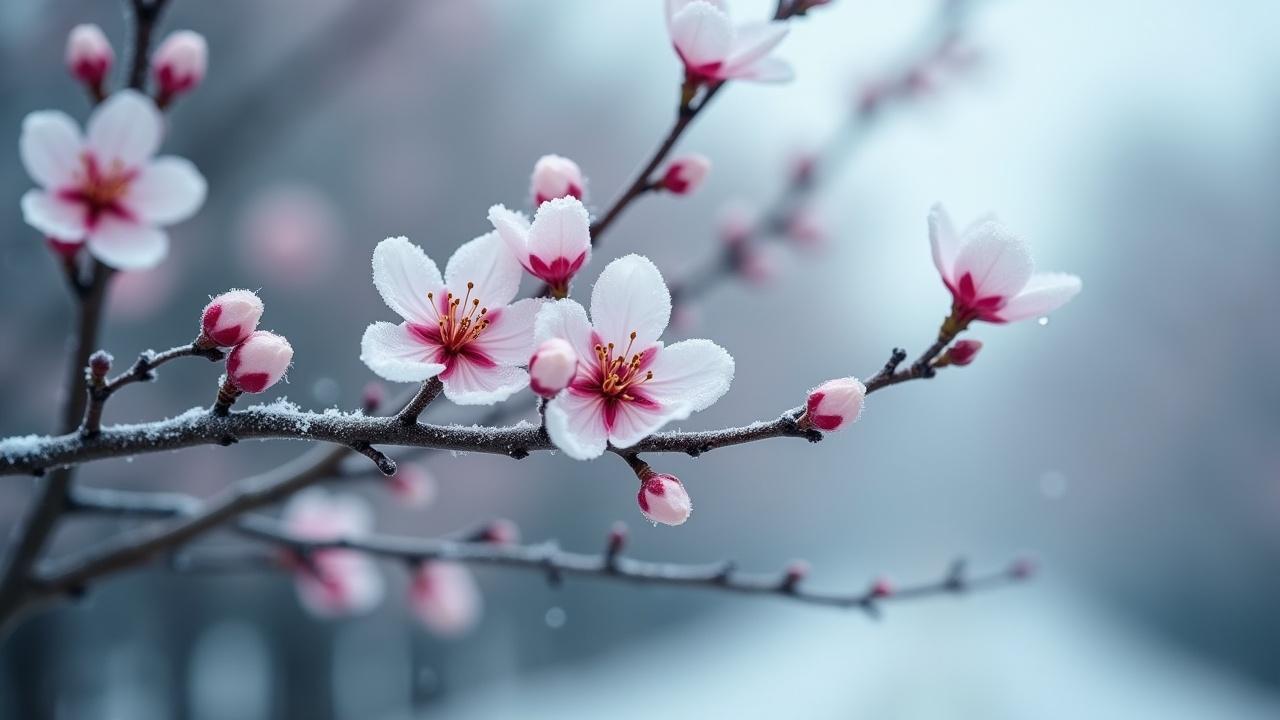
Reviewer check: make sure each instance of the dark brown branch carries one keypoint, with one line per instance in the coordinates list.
(429, 391)
(202, 427)
(146, 16)
(143, 370)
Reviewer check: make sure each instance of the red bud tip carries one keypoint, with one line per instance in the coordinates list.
(881, 588)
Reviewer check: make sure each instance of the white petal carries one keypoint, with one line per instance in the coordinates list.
(485, 262)
(702, 34)
(690, 376)
(53, 217)
(471, 384)
(576, 425)
(561, 229)
(998, 261)
(509, 339)
(634, 423)
(167, 191)
(630, 296)
(404, 275)
(513, 228)
(564, 319)
(944, 241)
(127, 128)
(1044, 293)
(127, 245)
(51, 147)
(675, 6)
(753, 41)
(394, 353)
(765, 70)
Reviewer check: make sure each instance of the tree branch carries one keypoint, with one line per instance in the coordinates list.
(199, 426)
(143, 370)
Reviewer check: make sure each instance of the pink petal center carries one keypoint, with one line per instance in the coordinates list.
(100, 190)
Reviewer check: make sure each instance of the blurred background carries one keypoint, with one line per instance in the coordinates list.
(1130, 443)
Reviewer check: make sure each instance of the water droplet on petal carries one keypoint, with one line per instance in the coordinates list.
(1043, 321)
(556, 618)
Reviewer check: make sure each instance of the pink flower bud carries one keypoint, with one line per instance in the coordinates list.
(500, 532)
(881, 588)
(412, 485)
(100, 364)
(373, 397)
(552, 367)
(259, 362)
(806, 229)
(179, 64)
(445, 598)
(685, 174)
(230, 318)
(617, 538)
(964, 351)
(555, 177)
(663, 499)
(835, 403)
(1022, 568)
(89, 55)
(797, 570)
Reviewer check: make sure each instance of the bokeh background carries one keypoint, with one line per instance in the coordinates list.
(1130, 443)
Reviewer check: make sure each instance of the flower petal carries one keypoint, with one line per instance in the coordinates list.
(127, 245)
(561, 229)
(471, 383)
(765, 70)
(943, 240)
(127, 128)
(52, 216)
(509, 338)
(1044, 293)
(690, 376)
(630, 296)
(997, 260)
(485, 262)
(51, 147)
(702, 34)
(167, 191)
(564, 319)
(404, 275)
(575, 422)
(675, 6)
(634, 422)
(753, 41)
(513, 228)
(396, 354)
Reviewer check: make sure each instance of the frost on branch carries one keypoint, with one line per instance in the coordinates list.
(608, 382)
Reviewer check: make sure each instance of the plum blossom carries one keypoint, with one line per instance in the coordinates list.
(990, 273)
(713, 50)
(105, 188)
(552, 367)
(663, 499)
(627, 383)
(179, 64)
(555, 177)
(462, 327)
(333, 582)
(835, 403)
(963, 352)
(554, 247)
(445, 598)
(89, 55)
(259, 362)
(685, 174)
(230, 318)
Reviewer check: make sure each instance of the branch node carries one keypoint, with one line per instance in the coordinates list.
(386, 465)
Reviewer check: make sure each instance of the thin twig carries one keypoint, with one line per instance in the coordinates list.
(142, 370)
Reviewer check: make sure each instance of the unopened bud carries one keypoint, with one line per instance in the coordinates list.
(962, 353)
(179, 64)
(835, 403)
(501, 532)
(229, 319)
(552, 367)
(1022, 569)
(555, 177)
(89, 55)
(685, 174)
(663, 499)
(797, 570)
(100, 364)
(881, 588)
(259, 362)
